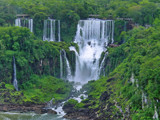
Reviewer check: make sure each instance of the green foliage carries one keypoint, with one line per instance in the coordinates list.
(132, 70)
(44, 89)
(71, 102)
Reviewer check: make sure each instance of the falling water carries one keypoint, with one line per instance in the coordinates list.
(31, 25)
(101, 69)
(144, 99)
(64, 65)
(24, 22)
(155, 116)
(69, 73)
(18, 22)
(15, 83)
(61, 65)
(49, 30)
(59, 31)
(92, 37)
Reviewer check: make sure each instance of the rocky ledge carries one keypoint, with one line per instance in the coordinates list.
(39, 108)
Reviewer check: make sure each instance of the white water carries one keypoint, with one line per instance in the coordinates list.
(92, 37)
(49, 30)
(69, 73)
(101, 69)
(155, 116)
(24, 22)
(15, 83)
(144, 100)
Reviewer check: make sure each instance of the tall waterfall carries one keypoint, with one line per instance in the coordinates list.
(65, 69)
(92, 36)
(15, 83)
(59, 31)
(24, 22)
(49, 30)
(101, 68)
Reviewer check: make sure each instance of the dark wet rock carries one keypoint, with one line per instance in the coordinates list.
(39, 108)
(51, 111)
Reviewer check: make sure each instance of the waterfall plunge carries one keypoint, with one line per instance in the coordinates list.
(92, 36)
(15, 83)
(24, 22)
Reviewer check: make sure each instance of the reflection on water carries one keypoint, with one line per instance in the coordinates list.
(28, 116)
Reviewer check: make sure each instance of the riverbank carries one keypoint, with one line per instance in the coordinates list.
(37, 108)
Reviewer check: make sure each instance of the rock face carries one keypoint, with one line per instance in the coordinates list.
(39, 109)
(79, 114)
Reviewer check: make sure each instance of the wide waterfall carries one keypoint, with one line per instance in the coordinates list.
(24, 22)
(15, 83)
(92, 37)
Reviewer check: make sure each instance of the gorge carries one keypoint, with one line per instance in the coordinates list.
(79, 59)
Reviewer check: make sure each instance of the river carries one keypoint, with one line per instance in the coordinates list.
(28, 116)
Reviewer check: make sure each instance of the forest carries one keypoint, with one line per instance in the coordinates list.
(128, 87)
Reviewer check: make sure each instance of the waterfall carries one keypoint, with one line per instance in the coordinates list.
(101, 69)
(18, 22)
(31, 24)
(64, 63)
(132, 79)
(144, 99)
(49, 30)
(155, 116)
(69, 73)
(61, 65)
(15, 83)
(24, 22)
(92, 36)
(59, 31)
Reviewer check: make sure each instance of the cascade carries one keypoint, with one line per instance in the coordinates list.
(101, 69)
(59, 31)
(61, 65)
(144, 99)
(155, 116)
(15, 83)
(92, 37)
(24, 22)
(49, 30)
(64, 61)
(132, 79)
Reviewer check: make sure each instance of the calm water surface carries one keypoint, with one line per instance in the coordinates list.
(28, 116)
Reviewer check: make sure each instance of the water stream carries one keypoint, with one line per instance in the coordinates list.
(24, 22)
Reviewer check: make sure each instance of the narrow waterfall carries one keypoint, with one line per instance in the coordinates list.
(15, 83)
(155, 116)
(49, 30)
(92, 37)
(101, 68)
(69, 73)
(59, 31)
(30, 24)
(61, 65)
(65, 69)
(24, 22)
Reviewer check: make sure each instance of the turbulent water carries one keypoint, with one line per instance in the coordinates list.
(92, 37)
